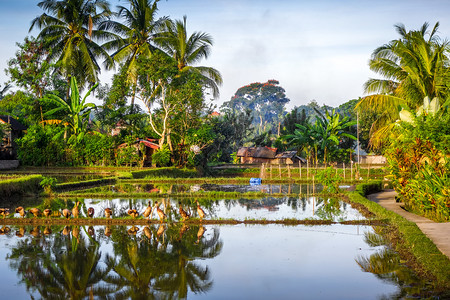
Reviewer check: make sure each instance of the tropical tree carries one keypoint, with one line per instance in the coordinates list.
(188, 50)
(68, 28)
(76, 108)
(323, 137)
(414, 66)
(136, 38)
(265, 100)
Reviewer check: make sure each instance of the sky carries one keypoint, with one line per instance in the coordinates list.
(317, 50)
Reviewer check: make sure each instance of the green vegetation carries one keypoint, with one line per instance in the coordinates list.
(27, 185)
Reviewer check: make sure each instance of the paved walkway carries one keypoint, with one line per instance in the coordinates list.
(439, 233)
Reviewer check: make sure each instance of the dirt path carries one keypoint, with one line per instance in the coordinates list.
(439, 233)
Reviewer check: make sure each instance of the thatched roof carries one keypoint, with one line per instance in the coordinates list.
(257, 152)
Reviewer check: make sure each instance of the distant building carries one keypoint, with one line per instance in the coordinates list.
(8, 147)
(259, 155)
(372, 159)
(288, 158)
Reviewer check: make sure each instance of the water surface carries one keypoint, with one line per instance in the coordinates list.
(210, 262)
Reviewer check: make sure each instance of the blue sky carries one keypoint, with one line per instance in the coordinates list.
(316, 49)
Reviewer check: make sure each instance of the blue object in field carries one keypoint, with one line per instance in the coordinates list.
(255, 181)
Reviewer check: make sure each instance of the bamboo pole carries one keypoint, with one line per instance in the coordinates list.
(279, 170)
(343, 168)
(289, 171)
(300, 169)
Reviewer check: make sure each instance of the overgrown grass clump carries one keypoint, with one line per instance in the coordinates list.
(21, 186)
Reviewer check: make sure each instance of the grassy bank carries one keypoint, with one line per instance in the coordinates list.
(26, 185)
(408, 239)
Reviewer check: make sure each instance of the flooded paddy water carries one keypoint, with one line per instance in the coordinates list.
(210, 261)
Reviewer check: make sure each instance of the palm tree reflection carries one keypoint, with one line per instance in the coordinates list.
(386, 265)
(66, 262)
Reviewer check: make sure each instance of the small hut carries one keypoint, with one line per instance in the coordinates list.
(8, 147)
(288, 158)
(256, 155)
(145, 149)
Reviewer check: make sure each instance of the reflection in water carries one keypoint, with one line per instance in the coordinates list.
(386, 265)
(144, 262)
(176, 261)
(269, 208)
(126, 188)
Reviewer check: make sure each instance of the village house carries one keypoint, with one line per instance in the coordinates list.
(259, 155)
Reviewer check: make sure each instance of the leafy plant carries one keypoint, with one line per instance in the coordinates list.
(161, 157)
(329, 179)
(48, 183)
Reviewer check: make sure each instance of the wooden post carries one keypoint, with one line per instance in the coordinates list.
(279, 170)
(270, 171)
(289, 171)
(343, 168)
(351, 170)
(313, 187)
(368, 172)
(300, 169)
(307, 170)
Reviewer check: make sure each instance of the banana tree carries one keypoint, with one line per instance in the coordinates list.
(76, 108)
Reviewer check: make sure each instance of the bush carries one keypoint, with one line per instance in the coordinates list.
(365, 189)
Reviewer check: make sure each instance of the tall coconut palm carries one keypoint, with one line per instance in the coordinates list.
(137, 33)
(68, 28)
(414, 66)
(188, 50)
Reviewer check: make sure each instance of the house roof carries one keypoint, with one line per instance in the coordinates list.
(146, 142)
(15, 125)
(259, 152)
(291, 155)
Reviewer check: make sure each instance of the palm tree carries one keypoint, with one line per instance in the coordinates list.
(137, 34)
(188, 50)
(414, 67)
(68, 29)
(77, 109)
